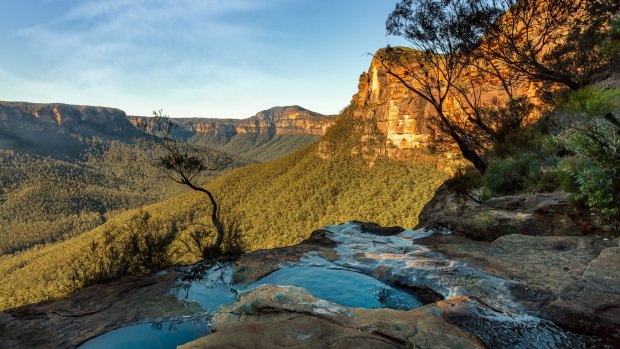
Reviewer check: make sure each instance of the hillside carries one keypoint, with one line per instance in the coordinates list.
(354, 172)
(45, 199)
(66, 169)
(467, 197)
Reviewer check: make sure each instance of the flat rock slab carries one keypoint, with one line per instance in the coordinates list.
(591, 303)
(94, 310)
(290, 317)
(573, 281)
(540, 214)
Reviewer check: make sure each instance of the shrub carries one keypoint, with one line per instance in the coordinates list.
(141, 246)
(506, 176)
(528, 172)
(198, 240)
(594, 140)
(466, 182)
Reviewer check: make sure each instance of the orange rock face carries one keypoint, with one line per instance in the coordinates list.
(282, 120)
(390, 108)
(293, 120)
(400, 119)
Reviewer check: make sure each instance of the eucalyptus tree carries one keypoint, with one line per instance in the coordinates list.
(182, 164)
(442, 35)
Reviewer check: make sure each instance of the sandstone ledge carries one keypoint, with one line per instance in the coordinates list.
(289, 317)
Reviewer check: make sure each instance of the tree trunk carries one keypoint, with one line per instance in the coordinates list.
(472, 156)
(465, 147)
(214, 219)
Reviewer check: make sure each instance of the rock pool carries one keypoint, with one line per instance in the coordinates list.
(212, 287)
(363, 274)
(154, 335)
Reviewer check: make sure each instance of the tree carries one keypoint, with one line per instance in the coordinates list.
(443, 35)
(551, 41)
(183, 165)
(463, 51)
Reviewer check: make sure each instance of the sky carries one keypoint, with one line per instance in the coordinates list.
(191, 58)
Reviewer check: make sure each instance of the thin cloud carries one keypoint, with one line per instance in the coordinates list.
(143, 36)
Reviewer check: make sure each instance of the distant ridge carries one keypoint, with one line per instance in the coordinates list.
(277, 120)
(267, 135)
(58, 129)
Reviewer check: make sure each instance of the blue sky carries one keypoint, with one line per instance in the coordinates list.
(207, 58)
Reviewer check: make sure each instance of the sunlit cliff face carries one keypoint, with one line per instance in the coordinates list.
(401, 120)
(279, 120)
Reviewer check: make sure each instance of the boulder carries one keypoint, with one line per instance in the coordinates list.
(290, 317)
(539, 214)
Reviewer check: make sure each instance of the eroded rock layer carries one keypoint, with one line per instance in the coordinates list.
(291, 120)
(396, 121)
(59, 129)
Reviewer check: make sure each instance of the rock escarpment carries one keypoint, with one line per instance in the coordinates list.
(396, 121)
(291, 120)
(287, 121)
(18, 117)
(57, 129)
(389, 109)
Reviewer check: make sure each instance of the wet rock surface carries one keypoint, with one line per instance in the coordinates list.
(92, 311)
(497, 299)
(358, 285)
(258, 264)
(277, 317)
(573, 281)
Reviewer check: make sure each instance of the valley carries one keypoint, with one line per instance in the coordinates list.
(67, 169)
(466, 196)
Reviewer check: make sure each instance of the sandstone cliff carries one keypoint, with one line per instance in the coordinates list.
(58, 129)
(25, 117)
(387, 107)
(291, 120)
(396, 121)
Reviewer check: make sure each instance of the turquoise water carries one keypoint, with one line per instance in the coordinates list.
(342, 286)
(209, 296)
(153, 335)
(321, 278)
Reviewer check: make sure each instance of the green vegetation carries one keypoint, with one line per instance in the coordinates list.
(280, 202)
(138, 247)
(574, 148)
(593, 138)
(261, 147)
(565, 135)
(43, 199)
